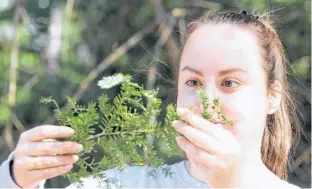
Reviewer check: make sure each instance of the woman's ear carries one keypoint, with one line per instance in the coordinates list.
(275, 96)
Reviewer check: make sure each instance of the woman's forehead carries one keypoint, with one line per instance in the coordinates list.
(220, 45)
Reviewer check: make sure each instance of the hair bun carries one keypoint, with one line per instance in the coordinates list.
(251, 15)
(243, 12)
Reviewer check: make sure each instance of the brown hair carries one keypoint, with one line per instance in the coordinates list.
(283, 127)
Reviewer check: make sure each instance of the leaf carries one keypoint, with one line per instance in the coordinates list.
(152, 173)
(46, 100)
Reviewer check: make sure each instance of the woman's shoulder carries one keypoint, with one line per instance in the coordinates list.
(134, 176)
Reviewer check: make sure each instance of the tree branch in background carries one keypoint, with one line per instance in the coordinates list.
(130, 43)
(171, 43)
(53, 49)
(24, 15)
(17, 123)
(125, 13)
(109, 60)
(152, 72)
(31, 82)
(13, 75)
(69, 8)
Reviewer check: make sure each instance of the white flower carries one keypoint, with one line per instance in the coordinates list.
(111, 81)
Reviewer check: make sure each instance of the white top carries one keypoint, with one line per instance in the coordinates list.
(131, 177)
(140, 177)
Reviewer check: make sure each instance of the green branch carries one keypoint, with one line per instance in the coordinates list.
(125, 144)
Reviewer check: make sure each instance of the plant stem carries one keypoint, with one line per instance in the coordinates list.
(117, 133)
(55, 103)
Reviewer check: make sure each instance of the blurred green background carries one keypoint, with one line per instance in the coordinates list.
(58, 47)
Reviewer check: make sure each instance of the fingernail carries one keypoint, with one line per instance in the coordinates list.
(69, 130)
(69, 166)
(181, 111)
(80, 148)
(179, 139)
(76, 158)
(176, 123)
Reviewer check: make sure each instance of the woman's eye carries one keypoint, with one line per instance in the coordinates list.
(193, 83)
(229, 83)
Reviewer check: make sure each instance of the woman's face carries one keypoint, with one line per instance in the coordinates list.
(225, 60)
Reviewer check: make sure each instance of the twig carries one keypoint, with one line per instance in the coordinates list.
(53, 47)
(69, 8)
(131, 42)
(18, 124)
(12, 75)
(31, 82)
(14, 59)
(117, 133)
(103, 65)
(24, 15)
(125, 13)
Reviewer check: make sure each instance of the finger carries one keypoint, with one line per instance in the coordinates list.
(48, 173)
(42, 162)
(202, 167)
(198, 138)
(213, 169)
(50, 148)
(215, 178)
(47, 131)
(200, 123)
(49, 139)
(196, 153)
(206, 171)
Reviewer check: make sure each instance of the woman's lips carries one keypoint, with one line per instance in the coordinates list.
(216, 121)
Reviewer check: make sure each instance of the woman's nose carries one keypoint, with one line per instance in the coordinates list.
(211, 89)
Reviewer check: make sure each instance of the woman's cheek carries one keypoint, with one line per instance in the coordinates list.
(244, 109)
(187, 98)
(238, 107)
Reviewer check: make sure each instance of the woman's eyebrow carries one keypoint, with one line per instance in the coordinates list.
(220, 73)
(193, 70)
(229, 71)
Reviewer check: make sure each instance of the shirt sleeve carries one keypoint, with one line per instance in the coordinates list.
(6, 179)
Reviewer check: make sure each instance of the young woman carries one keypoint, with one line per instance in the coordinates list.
(236, 57)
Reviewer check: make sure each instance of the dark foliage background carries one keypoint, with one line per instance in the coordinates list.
(59, 47)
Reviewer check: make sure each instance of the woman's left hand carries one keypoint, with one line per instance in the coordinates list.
(215, 150)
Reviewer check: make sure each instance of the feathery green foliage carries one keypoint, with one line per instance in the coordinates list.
(211, 109)
(124, 123)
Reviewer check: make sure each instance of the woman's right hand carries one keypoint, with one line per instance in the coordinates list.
(37, 158)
